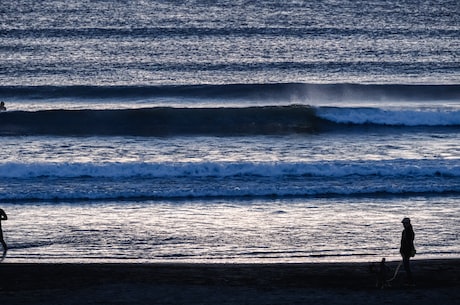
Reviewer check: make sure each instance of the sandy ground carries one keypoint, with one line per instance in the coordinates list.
(437, 282)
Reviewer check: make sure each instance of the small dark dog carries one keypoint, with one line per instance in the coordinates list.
(382, 271)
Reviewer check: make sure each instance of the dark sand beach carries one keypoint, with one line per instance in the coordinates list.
(437, 282)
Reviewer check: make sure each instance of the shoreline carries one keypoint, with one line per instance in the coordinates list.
(188, 283)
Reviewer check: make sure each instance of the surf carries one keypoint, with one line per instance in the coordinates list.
(409, 168)
(161, 121)
(222, 121)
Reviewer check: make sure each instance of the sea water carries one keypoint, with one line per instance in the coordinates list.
(208, 131)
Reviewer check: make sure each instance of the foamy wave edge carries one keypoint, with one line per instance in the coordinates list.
(384, 168)
(391, 117)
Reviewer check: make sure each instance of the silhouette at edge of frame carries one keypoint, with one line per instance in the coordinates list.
(2, 241)
(407, 249)
(2, 106)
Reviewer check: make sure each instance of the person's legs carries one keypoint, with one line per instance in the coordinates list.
(407, 269)
(2, 241)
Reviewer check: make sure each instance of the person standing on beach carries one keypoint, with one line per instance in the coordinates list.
(2, 217)
(407, 249)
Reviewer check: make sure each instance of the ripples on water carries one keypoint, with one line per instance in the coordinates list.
(177, 42)
(290, 230)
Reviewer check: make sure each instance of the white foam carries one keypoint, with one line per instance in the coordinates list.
(400, 117)
(390, 168)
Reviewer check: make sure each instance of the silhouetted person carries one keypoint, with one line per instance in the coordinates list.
(407, 249)
(2, 217)
(2, 106)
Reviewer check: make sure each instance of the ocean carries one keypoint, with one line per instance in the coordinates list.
(229, 131)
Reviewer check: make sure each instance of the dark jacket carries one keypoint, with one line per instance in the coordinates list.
(407, 242)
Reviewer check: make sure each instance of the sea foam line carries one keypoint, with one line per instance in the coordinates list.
(393, 117)
(384, 168)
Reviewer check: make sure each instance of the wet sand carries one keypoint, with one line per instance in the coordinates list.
(437, 282)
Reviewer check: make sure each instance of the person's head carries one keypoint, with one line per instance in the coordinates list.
(2, 103)
(406, 222)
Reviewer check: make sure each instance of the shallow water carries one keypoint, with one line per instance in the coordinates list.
(262, 230)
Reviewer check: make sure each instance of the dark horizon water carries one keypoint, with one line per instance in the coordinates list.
(212, 131)
(219, 42)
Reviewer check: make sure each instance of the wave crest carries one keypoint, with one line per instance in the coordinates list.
(391, 117)
(279, 91)
(231, 121)
(333, 169)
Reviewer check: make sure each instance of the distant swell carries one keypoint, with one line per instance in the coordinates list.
(284, 91)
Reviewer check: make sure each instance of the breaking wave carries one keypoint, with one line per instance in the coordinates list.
(336, 169)
(169, 121)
